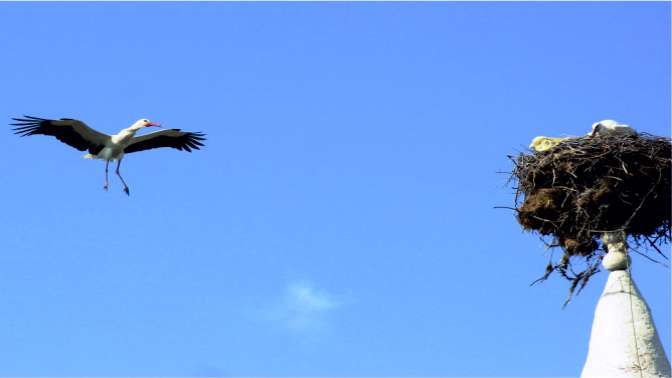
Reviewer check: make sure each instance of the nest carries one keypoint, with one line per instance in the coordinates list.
(586, 186)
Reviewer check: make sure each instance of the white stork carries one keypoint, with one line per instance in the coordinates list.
(611, 127)
(77, 134)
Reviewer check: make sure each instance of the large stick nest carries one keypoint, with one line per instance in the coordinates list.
(586, 186)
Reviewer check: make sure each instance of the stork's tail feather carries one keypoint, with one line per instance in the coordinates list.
(89, 156)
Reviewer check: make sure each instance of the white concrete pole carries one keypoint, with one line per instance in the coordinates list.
(624, 342)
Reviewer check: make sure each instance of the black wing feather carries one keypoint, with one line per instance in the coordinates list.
(187, 141)
(33, 125)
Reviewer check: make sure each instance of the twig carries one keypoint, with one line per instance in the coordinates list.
(652, 244)
(506, 207)
(649, 257)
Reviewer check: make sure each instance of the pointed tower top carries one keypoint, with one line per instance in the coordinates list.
(624, 342)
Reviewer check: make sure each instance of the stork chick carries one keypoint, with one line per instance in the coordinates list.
(544, 143)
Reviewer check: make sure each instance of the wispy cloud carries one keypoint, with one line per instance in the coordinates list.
(303, 307)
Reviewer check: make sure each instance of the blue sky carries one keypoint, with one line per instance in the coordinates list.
(340, 221)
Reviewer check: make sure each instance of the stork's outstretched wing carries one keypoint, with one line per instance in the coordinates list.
(174, 138)
(72, 132)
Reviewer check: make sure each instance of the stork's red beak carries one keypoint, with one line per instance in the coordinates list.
(153, 124)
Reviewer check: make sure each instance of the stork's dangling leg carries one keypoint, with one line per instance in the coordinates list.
(122, 179)
(107, 181)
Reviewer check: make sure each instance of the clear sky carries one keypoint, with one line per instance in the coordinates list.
(340, 220)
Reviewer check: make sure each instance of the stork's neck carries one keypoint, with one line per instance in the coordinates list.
(129, 131)
(134, 128)
(125, 135)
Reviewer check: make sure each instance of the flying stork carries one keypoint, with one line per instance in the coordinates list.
(77, 134)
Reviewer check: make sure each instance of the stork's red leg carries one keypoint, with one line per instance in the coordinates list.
(122, 179)
(107, 182)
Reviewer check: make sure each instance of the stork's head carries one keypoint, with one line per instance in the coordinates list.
(142, 123)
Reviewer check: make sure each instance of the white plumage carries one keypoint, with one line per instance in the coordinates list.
(611, 127)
